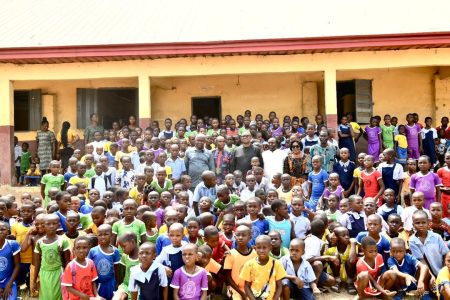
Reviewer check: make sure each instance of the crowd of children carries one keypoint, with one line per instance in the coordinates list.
(124, 221)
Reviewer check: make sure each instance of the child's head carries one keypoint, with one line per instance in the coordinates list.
(333, 179)
(239, 209)
(424, 163)
(181, 212)
(211, 236)
(316, 162)
(129, 209)
(39, 223)
(317, 228)
(161, 175)
(170, 217)
(229, 180)
(51, 224)
(250, 181)
(361, 157)
(93, 196)
(75, 203)
(237, 176)
(186, 181)
(398, 249)
(342, 235)
(394, 222)
(223, 193)
(276, 179)
(209, 179)
(275, 238)
(98, 215)
(147, 253)
(296, 249)
(263, 246)
(333, 201)
(417, 199)
(25, 197)
(176, 234)
(370, 206)
(27, 211)
(204, 253)
(297, 205)
(436, 211)
(420, 221)
(389, 197)
(4, 230)
(55, 166)
(81, 168)
(369, 248)
(205, 204)
(193, 227)
(374, 224)
(228, 223)
(368, 161)
(271, 196)
(243, 235)
(253, 206)
(63, 200)
(37, 202)
(72, 221)
(279, 207)
(81, 247)
(189, 254)
(127, 242)
(344, 154)
(166, 198)
(126, 162)
(286, 181)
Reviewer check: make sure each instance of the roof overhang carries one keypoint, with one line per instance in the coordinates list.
(96, 53)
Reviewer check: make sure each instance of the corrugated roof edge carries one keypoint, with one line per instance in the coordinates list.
(297, 45)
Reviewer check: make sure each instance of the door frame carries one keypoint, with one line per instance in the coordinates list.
(207, 98)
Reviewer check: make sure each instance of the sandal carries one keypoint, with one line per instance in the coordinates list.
(351, 289)
(335, 288)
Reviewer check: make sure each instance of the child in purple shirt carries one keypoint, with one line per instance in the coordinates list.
(373, 133)
(426, 182)
(190, 282)
(412, 131)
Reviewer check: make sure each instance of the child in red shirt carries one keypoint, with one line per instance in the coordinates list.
(78, 271)
(212, 239)
(371, 181)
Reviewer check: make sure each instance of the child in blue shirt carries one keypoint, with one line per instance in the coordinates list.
(411, 273)
(374, 230)
(317, 181)
(9, 263)
(106, 259)
(259, 226)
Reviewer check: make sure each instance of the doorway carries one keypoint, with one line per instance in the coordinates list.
(355, 97)
(117, 104)
(345, 92)
(207, 106)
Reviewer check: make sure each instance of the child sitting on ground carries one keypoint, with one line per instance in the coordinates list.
(374, 231)
(299, 282)
(277, 251)
(443, 280)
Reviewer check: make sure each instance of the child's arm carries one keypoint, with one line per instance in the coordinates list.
(204, 295)
(226, 248)
(27, 242)
(423, 271)
(165, 292)
(37, 266)
(293, 236)
(346, 193)
(360, 187)
(278, 289)
(308, 193)
(248, 290)
(8, 288)
(379, 287)
(419, 137)
(75, 292)
(175, 294)
(381, 189)
(438, 193)
(65, 257)
(380, 142)
(400, 188)
(352, 254)
(233, 284)
(116, 274)
(113, 239)
(42, 190)
(134, 295)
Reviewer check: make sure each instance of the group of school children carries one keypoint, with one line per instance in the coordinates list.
(113, 231)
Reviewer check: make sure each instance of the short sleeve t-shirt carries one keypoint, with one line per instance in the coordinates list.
(235, 261)
(442, 278)
(407, 266)
(7, 253)
(258, 275)
(370, 180)
(50, 180)
(80, 278)
(318, 183)
(362, 266)
(401, 140)
(425, 184)
(145, 282)
(137, 226)
(20, 231)
(104, 262)
(190, 286)
(383, 245)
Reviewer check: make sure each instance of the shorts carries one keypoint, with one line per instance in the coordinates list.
(323, 277)
(304, 293)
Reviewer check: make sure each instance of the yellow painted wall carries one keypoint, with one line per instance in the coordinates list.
(399, 91)
(442, 94)
(64, 106)
(261, 93)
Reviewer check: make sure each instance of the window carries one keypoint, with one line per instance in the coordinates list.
(207, 106)
(27, 110)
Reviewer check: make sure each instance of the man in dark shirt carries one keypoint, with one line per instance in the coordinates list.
(244, 153)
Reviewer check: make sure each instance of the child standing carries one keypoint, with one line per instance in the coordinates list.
(149, 277)
(129, 259)
(263, 274)
(190, 281)
(333, 213)
(50, 257)
(371, 181)
(107, 258)
(137, 192)
(412, 132)
(437, 224)
(401, 145)
(317, 181)
(353, 220)
(149, 219)
(334, 188)
(429, 140)
(285, 190)
(258, 226)
(426, 182)
(387, 133)
(161, 183)
(300, 222)
(373, 135)
(9, 252)
(52, 179)
(407, 215)
(345, 168)
(126, 177)
(212, 239)
(346, 134)
(281, 222)
(236, 259)
(249, 191)
(129, 223)
(80, 272)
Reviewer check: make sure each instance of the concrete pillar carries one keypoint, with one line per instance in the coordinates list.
(145, 102)
(330, 98)
(7, 169)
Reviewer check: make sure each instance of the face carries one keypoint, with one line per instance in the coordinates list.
(204, 204)
(316, 163)
(94, 195)
(389, 197)
(26, 212)
(368, 162)
(373, 225)
(436, 210)
(98, 218)
(424, 164)
(81, 249)
(297, 205)
(146, 255)
(332, 202)
(275, 240)
(369, 207)
(394, 223)
(129, 210)
(253, 208)
(4, 231)
(370, 251)
(239, 211)
(189, 256)
(175, 237)
(417, 201)
(128, 247)
(171, 219)
(262, 249)
(357, 204)
(51, 224)
(212, 241)
(193, 227)
(228, 226)
(420, 223)
(64, 203)
(283, 211)
(75, 204)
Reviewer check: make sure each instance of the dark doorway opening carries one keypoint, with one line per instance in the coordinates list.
(345, 91)
(207, 106)
(355, 97)
(116, 104)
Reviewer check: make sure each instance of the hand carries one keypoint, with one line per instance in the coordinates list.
(299, 283)
(334, 260)
(353, 241)
(409, 279)
(169, 272)
(7, 291)
(346, 193)
(420, 288)
(389, 293)
(35, 287)
(316, 290)
(432, 283)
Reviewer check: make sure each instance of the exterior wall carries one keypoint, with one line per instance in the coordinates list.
(63, 105)
(442, 94)
(399, 91)
(261, 93)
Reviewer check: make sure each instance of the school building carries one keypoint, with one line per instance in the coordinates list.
(158, 59)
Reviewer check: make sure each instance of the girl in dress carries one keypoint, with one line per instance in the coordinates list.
(373, 136)
(346, 134)
(429, 139)
(46, 146)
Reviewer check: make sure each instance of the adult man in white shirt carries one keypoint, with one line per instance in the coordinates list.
(273, 159)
